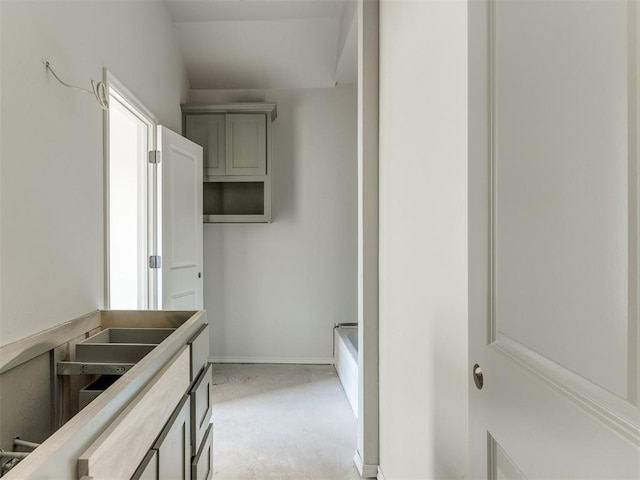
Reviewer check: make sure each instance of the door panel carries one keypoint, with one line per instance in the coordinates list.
(182, 286)
(560, 179)
(208, 131)
(553, 239)
(246, 144)
(501, 466)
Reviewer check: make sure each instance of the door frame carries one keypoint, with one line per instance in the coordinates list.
(367, 455)
(145, 115)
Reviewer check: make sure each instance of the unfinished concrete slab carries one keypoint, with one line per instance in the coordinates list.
(285, 422)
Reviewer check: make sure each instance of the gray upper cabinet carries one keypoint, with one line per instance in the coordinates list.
(246, 144)
(208, 131)
(236, 139)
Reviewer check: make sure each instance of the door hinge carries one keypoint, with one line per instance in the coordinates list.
(155, 261)
(154, 156)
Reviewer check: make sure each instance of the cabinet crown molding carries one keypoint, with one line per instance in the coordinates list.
(248, 107)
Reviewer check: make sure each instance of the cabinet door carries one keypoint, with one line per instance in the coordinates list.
(202, 464)
(246, 144)
(201, 405)
(199, 345)
(208, 131)
(174, 445)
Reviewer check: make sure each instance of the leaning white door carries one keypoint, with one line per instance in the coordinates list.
(553, 205)
(180, 214)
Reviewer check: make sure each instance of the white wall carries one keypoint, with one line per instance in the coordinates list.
(423, 239)
(51, 220)
(273, 291)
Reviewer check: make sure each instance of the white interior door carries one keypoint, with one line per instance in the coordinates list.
(180, 214)
(553, 204)
(130, 128)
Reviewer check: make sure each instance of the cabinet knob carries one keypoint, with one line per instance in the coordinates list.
(199, 274)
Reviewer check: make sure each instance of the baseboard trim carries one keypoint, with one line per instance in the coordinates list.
(380, 474)
(287, 360)
(365, 470)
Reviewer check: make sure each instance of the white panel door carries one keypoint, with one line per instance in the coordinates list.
(181, 218)
(553, 239)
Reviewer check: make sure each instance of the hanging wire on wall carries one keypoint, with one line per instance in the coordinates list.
(98, 89)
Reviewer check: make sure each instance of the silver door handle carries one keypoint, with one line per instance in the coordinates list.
(478, 377)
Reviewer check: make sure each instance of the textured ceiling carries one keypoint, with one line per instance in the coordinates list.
(255, 44)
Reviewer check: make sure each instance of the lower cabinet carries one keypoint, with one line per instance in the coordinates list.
(174, 445)
(201, 401)
(183, 449)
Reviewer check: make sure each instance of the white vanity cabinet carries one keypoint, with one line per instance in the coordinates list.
(237, 174)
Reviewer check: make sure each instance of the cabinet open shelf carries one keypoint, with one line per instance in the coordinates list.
(237, 199)
(233, 198)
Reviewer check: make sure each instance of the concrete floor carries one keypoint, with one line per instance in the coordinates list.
(285, 422)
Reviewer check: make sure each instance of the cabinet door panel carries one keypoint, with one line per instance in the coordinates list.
(202, 465)
(174, 445)
(246, 144)
(208, 131)
(201, 399)
(199, 345)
